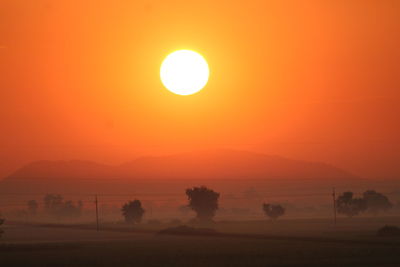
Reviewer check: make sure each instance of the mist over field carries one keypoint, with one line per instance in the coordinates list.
(199, 133)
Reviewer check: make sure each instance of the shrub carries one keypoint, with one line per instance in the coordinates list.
(273, 211)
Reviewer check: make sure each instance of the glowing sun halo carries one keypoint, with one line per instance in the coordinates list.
(184, 72)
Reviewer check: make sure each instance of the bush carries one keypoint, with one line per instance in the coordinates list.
(389, 230)
(273, 211)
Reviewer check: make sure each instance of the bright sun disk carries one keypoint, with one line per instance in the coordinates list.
(184, 72)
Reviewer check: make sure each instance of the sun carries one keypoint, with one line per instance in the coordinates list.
(184, 72)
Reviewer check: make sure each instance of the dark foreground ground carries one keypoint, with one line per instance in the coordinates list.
(24, 245)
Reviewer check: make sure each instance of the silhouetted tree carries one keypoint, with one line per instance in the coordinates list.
(56, 206)
(273, 211)
(203, 201)
(376, 202)
(133, 211)
(32, 207)
(53, 204)
(350, 206)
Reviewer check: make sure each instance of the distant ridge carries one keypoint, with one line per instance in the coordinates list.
(233, 164)
(55, 170)
(158, 172)
(221, 164)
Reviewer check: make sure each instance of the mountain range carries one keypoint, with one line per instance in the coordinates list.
(203, 166)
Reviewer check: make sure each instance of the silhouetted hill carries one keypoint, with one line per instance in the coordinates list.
(56, 170)
(230, 164)
(174, 171)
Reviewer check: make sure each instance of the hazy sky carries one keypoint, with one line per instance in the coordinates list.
(315, 80)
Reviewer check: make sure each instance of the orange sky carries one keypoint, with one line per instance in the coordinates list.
(315, 80)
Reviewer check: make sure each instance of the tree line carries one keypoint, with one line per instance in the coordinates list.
(371, 201)
(56, 206)
(204, 202)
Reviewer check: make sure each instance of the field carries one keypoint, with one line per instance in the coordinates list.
(312, 242)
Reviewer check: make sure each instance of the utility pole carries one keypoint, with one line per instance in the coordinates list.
(334, 206)
(97, 214)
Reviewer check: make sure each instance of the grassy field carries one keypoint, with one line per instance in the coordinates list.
(255, 243)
